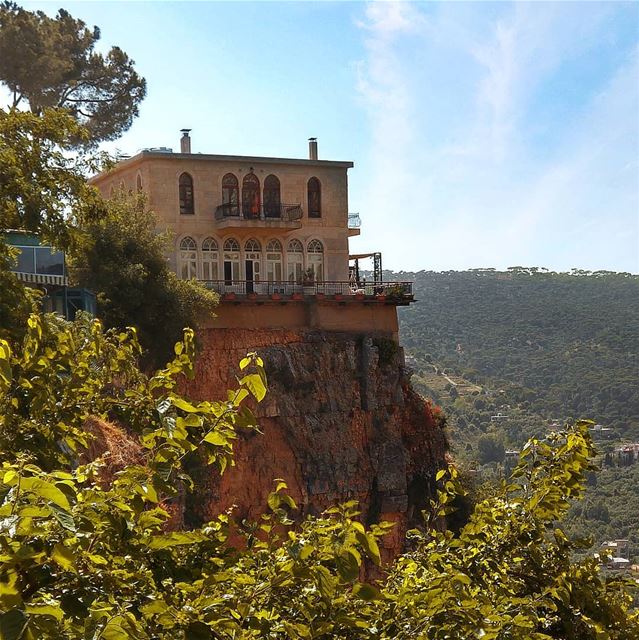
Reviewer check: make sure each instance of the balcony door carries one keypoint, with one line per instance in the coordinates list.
(231, 264)
(251, 196)
(272, 198)
(252, 264)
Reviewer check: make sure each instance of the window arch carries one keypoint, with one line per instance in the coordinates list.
(210, 259)
(294, 261)
(251, 196)
(209, 244)
(252, 246)
(274, 261)
(314, 189)
(231, 244)
(230, 195)
(315, 252)
(138, 183)
(272, 199)
(231, 261)
(187, 262)
(186, 194)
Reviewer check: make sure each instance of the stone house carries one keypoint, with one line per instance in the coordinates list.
(269, 234)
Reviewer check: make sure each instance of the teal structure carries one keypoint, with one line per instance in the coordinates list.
(43, 267)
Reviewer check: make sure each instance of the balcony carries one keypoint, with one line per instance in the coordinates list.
(278, 216)
(397, 293)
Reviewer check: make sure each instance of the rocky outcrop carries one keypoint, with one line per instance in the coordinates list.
(340, 422)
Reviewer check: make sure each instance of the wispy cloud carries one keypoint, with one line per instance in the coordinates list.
(500, 138)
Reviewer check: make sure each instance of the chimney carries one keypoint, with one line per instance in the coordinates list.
(185, 141)
(312, 148)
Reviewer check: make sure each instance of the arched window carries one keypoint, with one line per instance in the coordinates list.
(138, 183)
(210, 259)
(252, 246)
(231, 244)
(251, 196)
(294, 261)
(231, 261)
(187, 263)
(272, 199)
(315, 252)
(314, 198)
(230, 195)
(186, 194)
(274, 261)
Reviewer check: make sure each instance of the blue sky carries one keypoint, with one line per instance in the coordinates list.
(483, 135)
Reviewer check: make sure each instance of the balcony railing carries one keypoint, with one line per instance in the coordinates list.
(275, 212)
(391, 290)
(354, 221)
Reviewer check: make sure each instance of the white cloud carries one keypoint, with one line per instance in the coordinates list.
(462, 173)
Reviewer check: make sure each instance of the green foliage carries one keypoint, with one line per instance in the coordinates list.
(509, 573)
(549, 345)
(122, 259)
(387, 350)
(538, 348)
(43, 188)
(52, 63)
(17, 302)
(84, 557)
(490, 449)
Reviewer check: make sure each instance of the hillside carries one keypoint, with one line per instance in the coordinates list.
(515, 354)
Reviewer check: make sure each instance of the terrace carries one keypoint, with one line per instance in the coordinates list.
(396, 293)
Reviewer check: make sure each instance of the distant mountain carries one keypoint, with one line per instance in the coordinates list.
(513, 354)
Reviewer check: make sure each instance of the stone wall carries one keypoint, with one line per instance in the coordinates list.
(340, 421)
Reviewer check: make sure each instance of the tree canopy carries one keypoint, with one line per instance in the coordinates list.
(43, 188)
(120, 257)
(52, 63)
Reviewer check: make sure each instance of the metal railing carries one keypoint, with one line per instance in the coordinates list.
(354, 221)
(276, 212)
(392, 290)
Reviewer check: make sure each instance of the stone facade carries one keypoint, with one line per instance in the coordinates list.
(158, 174)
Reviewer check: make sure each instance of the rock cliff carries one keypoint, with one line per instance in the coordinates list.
(340, 422)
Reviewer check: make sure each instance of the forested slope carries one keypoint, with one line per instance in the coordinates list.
(510, 354)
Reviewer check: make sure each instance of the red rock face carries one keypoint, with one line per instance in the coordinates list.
(340, 422)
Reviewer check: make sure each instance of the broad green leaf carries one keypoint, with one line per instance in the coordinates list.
(215, 438)
(12, 624)
(367, 592)
(63, 556)
(45, 610)
(253, 382)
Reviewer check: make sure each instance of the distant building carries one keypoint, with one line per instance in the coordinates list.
(600, 432)
(43, 267)
(618, 551)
